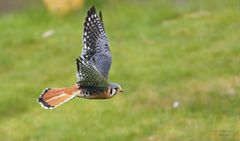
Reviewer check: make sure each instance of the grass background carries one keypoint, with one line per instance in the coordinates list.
(163, 52)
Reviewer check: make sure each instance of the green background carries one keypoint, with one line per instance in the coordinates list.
(163, 52)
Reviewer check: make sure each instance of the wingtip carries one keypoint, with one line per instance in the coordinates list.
(92, 10)
(77, 62)
(100, 15)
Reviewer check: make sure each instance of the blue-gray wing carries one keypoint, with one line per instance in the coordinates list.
(89, 79)
(95, 44)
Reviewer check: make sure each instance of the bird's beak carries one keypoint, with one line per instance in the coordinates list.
(121, 90)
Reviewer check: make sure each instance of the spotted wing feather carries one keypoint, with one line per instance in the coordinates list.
(89, 79)
(95, 44)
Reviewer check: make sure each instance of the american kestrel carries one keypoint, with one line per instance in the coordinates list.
(92, 68)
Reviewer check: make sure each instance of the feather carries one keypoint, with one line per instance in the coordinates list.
(96, 49)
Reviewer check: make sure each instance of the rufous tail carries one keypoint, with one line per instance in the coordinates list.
(53, 97)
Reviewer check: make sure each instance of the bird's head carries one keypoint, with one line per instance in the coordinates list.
(115, 88)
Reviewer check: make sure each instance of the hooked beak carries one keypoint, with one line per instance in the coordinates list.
(121, 90)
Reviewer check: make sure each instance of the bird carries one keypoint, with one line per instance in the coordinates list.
(93, 67)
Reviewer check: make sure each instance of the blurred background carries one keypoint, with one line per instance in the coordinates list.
(177, 60)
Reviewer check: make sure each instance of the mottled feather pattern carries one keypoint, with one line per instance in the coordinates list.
(92, 68)
(90, 80)
(95, 44)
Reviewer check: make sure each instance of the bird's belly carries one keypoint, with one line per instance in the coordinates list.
(103, 95)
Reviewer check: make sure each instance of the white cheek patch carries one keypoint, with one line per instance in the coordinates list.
(114, 91)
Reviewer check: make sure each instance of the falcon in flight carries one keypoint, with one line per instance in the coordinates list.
(92, 68)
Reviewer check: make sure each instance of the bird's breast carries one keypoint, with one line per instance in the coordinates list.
(99, 95)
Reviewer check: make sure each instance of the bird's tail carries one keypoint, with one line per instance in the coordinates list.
(53, 97)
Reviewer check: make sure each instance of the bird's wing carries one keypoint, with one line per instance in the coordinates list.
(95, 44)
(89, 79)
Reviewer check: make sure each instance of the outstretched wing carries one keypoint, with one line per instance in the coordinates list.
(89, 79)
(95, 44)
